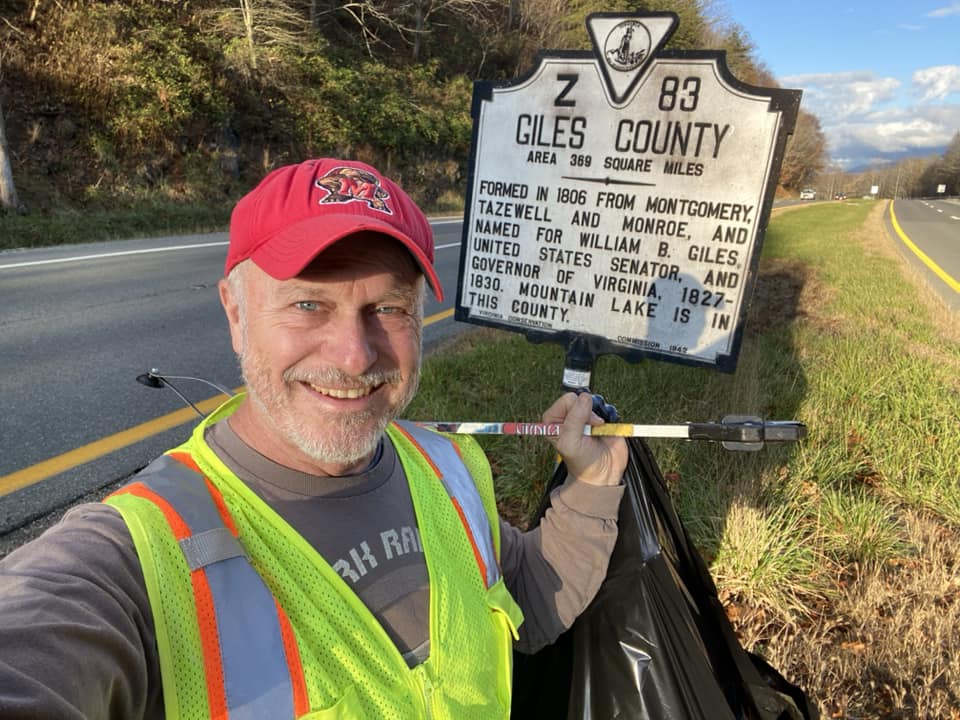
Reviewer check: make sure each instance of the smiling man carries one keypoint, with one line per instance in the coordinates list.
(329, 357)
(305, 553)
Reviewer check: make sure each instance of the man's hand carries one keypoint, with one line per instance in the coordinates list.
(593, 460)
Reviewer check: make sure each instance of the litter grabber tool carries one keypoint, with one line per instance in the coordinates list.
(735, 432)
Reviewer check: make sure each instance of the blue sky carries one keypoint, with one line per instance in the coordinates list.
(883, 77)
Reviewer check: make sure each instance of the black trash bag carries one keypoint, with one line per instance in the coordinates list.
(655, 643)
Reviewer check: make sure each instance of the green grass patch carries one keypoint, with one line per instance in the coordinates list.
(63, 226)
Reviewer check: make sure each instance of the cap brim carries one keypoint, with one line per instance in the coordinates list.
(286, 254)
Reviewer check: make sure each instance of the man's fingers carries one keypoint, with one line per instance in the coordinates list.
(573, 412)
(561, 406)
(596, 460)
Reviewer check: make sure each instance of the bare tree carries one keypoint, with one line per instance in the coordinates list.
(514, 16)
(544, 25)
(951, 165)
(9, 200)
(407, 22)
(910, 171)
(374, 19)
(262, 23)
(806, 152)
(458, 10)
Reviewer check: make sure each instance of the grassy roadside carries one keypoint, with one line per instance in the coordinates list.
(66, 227)
(155, 218)
(836, 558)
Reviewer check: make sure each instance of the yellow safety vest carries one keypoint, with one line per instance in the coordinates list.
(251, 622)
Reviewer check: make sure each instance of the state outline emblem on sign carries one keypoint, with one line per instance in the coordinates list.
(626, 45)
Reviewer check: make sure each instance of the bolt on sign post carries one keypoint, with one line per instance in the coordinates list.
(617, 199)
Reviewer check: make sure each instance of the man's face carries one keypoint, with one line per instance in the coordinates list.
(330, 356)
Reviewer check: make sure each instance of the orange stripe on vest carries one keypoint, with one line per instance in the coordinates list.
(203, 599)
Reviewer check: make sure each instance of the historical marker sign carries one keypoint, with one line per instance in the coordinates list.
(622, 195)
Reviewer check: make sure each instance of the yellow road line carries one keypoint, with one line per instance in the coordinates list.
(84, 454)
(91, 451)
(443, 315)
(924, 258)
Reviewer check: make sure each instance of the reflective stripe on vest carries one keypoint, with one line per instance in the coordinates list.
(250, 655)
(444, 457)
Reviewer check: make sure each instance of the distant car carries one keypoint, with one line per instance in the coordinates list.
(840, 196)
(808, 194)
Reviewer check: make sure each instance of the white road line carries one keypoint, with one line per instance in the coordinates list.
(99, 256)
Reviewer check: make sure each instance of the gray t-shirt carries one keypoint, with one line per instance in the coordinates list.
(76, 630)
(378, 554)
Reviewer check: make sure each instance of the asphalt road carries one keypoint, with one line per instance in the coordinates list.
(928, 231)
(79, 323)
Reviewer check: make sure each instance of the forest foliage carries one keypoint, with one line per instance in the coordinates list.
(118, 103)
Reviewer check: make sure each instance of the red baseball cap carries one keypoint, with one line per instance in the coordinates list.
(298, 211)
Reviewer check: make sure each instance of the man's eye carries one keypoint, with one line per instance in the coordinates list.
(389, 310)
(306, 305)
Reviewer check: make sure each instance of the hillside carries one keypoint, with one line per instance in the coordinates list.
(146, 104)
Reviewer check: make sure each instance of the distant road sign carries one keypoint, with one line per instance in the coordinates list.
(622, 195)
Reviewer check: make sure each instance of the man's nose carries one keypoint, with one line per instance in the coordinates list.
(350, 345)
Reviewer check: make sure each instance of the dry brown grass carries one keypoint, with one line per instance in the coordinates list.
(886, 645)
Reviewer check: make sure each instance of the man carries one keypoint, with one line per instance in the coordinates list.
(304, 554)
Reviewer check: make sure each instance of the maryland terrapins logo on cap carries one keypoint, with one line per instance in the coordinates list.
(346, 184)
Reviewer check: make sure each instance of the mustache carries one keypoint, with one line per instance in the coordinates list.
(331, 377)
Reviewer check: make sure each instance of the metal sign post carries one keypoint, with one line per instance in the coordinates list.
(617, 199)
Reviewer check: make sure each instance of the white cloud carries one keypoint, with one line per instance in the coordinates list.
(841, 95)
(952, 9)
(918, 130)
(865, 121)
(937, 82)
(893, 137)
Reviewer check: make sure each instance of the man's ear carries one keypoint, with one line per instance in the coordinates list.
(231, 306)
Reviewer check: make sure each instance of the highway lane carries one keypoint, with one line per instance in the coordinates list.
(929, 233)
(79, 323)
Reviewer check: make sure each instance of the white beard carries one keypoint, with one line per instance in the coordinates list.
(347, 438)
